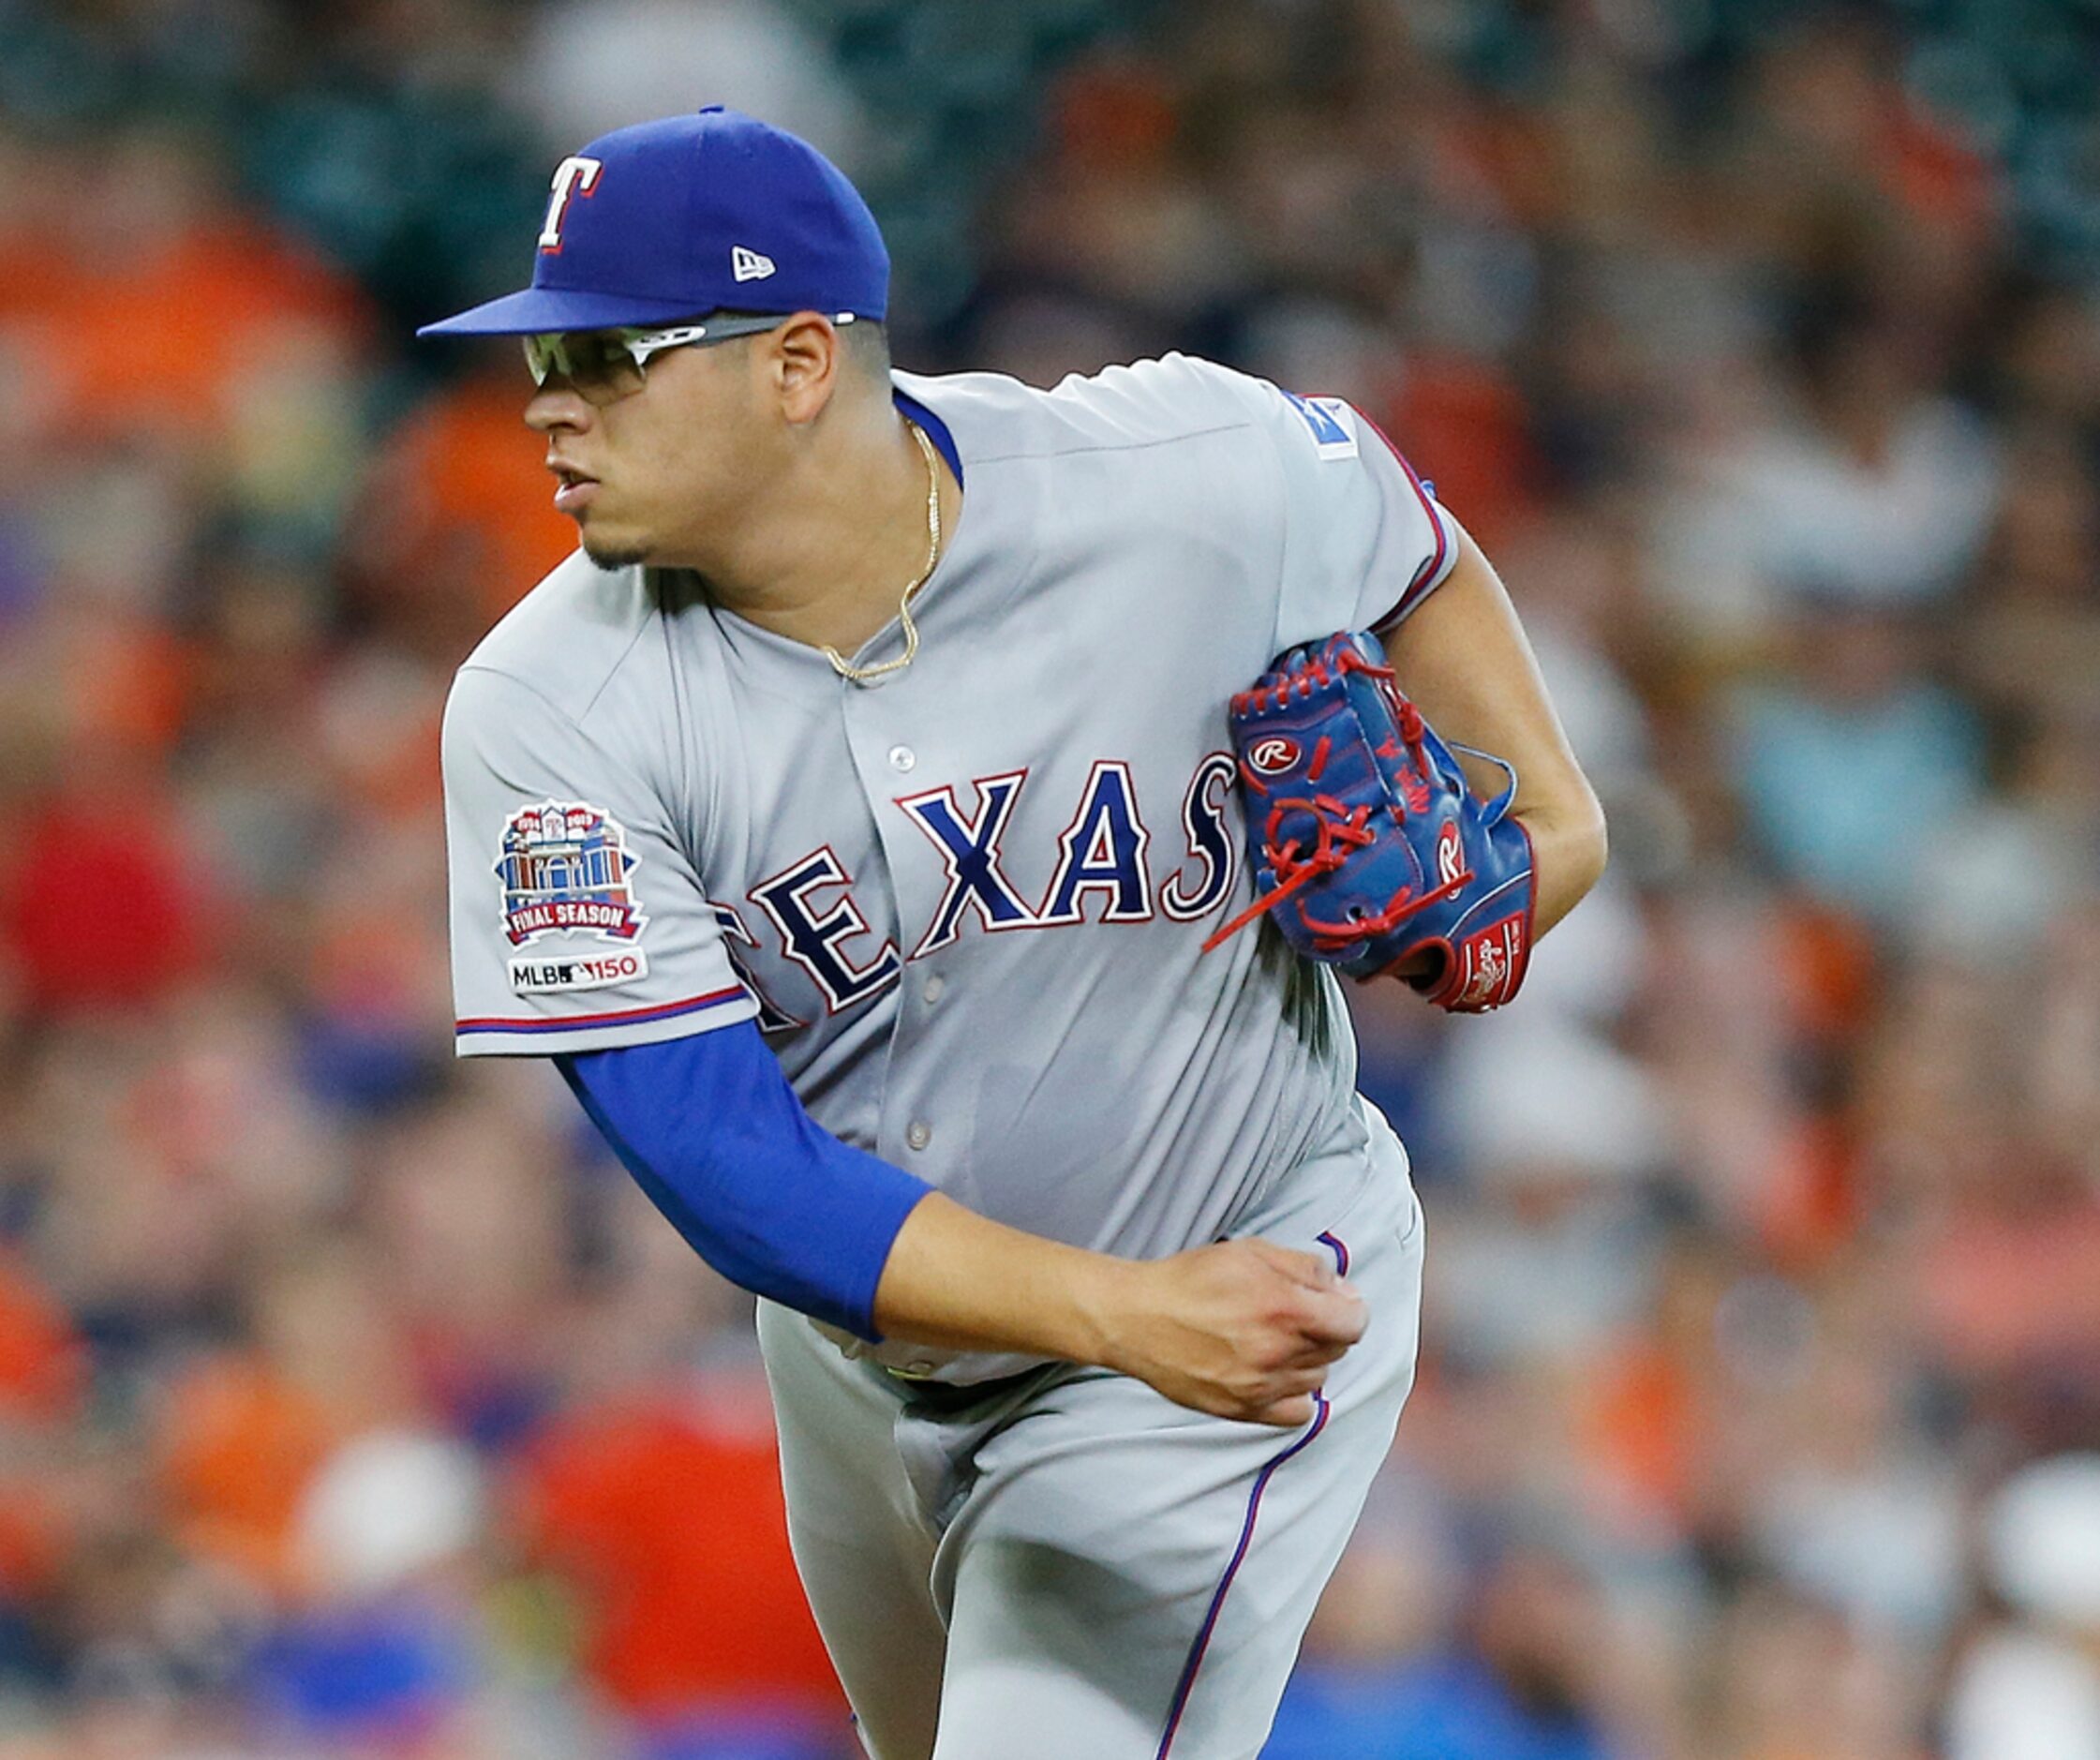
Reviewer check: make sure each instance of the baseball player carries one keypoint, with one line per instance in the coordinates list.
(849, 819)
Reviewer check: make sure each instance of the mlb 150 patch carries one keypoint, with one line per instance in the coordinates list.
(535, 977)
(564, 866)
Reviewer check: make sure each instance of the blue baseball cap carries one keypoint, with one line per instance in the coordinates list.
(711, 212)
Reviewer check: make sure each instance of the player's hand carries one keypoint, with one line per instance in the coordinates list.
(1244, 1329)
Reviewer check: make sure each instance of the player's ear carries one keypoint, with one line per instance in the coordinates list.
(804, 365)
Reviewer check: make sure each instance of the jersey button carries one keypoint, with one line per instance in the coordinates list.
(933, 987)
(901, 757)
(919, 1133)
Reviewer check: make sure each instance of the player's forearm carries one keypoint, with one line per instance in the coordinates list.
(1241, 1329)
(1465, 660)
(1567, 851)
(963, 1282)
(709, 1128)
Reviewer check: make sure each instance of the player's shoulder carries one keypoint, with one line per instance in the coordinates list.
(1174, 397)
(1144, 403)
(568, 637)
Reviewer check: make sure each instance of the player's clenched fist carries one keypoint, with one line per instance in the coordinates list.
(1243, 1328)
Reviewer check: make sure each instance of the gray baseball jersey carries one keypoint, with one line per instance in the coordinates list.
(966, 901)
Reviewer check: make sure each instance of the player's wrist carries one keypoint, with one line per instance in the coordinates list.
(1103, 1293)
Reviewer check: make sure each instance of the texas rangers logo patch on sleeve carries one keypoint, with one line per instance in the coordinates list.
(1333, 424)
(564, 868)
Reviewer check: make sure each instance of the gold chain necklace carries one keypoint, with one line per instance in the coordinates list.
(859, 675)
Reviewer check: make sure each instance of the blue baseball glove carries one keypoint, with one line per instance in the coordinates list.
(1368, 847)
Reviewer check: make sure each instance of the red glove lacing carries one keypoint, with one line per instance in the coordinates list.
(1341, 829)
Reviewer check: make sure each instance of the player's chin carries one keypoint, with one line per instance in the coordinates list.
(611, 552)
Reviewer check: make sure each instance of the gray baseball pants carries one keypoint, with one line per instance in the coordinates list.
(1066, 1564)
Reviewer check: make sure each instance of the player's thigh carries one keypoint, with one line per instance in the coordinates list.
(1129, 1579)
(862, 1547)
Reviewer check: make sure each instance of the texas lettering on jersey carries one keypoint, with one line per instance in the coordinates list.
(692, 827)
(1102, 856)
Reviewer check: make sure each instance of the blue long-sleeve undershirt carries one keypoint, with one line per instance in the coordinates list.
(711, 1131)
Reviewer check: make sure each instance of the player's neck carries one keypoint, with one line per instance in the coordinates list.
(827, 561)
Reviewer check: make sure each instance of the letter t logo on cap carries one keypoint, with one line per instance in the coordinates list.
(575, 175)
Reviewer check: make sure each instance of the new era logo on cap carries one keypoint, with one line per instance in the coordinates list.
(748, 265)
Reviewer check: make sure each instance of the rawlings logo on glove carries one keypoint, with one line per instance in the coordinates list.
(1367, 845)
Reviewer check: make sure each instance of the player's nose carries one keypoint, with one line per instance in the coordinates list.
(555, 406)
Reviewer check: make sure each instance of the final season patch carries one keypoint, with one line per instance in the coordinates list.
(564, 869)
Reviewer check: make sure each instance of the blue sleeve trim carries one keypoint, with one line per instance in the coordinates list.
(709, 1128)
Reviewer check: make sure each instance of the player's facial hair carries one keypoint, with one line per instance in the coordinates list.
(612, 559)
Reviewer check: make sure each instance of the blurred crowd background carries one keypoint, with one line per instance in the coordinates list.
(352, 1404)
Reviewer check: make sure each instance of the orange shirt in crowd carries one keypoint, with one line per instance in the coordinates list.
(464, 493)
(666, 1516)
(239, 1445)
(158, 340)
